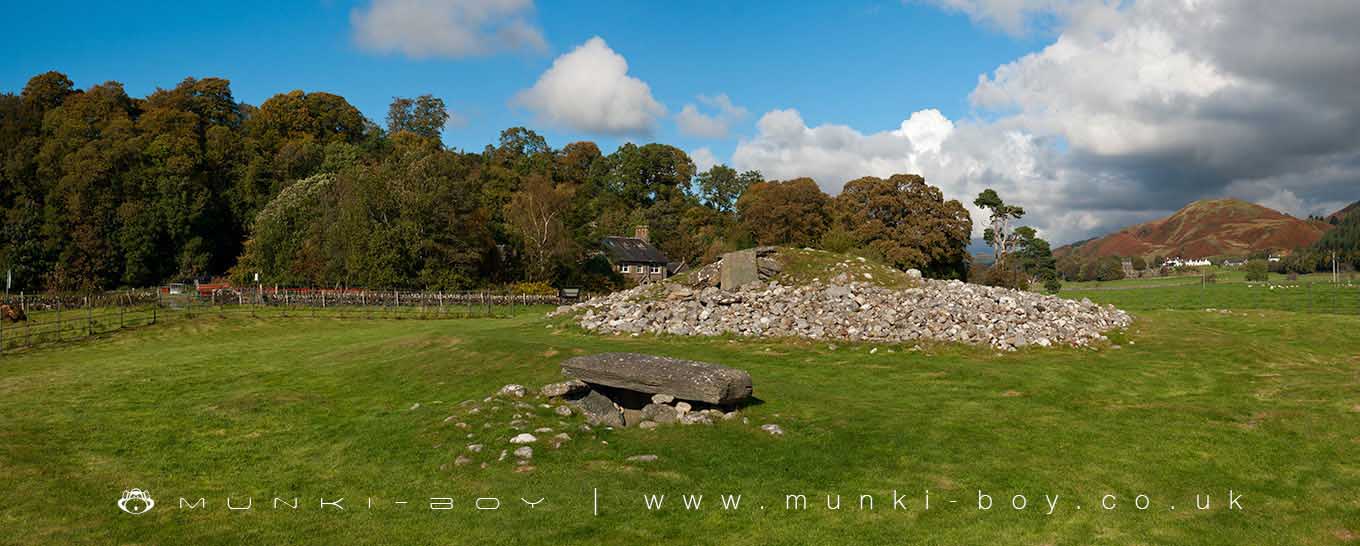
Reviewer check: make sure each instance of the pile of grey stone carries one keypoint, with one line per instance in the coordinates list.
(607, 391)
(844, 309)
(631, 389)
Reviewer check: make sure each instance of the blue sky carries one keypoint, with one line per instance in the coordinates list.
(1092, 114)
(866, 64)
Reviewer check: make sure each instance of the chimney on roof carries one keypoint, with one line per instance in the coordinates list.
(641, 232)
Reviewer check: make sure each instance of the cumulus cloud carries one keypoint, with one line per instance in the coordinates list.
(962, 159)
(695, 123)
(589, 90)
(446, 28)
(1132, 111)
(703, 159)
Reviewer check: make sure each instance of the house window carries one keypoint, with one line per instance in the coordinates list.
(656, 270)
(626, 268)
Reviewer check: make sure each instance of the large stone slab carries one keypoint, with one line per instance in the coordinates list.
(739, 269)
(684, 379)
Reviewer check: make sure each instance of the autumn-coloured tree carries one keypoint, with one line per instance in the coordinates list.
(907, 223)
(792, 212)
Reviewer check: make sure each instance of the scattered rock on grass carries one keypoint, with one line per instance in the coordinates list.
(565, 388)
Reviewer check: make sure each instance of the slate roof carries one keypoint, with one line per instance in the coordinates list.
(632, 249)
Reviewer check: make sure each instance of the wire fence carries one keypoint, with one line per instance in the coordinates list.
(1340, 298)
(45, 319)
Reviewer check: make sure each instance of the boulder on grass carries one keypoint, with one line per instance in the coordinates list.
(684, 379)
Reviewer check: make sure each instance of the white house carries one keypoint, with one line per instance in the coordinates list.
(1182, 262)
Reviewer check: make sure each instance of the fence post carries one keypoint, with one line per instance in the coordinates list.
(28, 324)
(89, 318)
(59, 330)
(2, 335)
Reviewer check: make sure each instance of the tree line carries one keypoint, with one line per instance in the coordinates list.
(101, 190)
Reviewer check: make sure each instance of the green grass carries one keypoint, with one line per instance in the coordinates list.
(805, 266)
(1262, 402)
(1223, 276)
(1300, 297)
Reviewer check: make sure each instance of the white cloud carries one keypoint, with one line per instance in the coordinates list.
(694, 123)
(703, 159)
(1013, 16)
(446, 28)
(589, 90)
(1134, 110)
(961, 159)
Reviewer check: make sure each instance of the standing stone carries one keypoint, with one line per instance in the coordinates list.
(739, 269)
(599, 409)
(686, 379)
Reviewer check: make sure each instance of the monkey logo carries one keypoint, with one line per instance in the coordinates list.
(136, 502)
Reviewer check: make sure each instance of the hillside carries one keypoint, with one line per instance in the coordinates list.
(1343, 213)
(1205, 228)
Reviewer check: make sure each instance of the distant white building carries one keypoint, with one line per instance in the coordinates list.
(1183, 262)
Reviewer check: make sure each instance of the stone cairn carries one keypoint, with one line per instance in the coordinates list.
(630, 389)
(611, 390)
(845, 309)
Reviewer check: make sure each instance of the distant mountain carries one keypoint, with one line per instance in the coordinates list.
(981, 252)
(1206, 228)
(1343, 213)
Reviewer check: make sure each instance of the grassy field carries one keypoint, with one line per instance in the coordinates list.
(1190, 403)
(1222, 276)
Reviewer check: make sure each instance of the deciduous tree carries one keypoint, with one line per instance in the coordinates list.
(908, 223)
(793, 212)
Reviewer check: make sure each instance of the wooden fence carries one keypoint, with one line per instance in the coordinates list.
(57, 318)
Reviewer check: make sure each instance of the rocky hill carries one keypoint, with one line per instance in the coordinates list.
(1343, 213)
(1206, 228)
